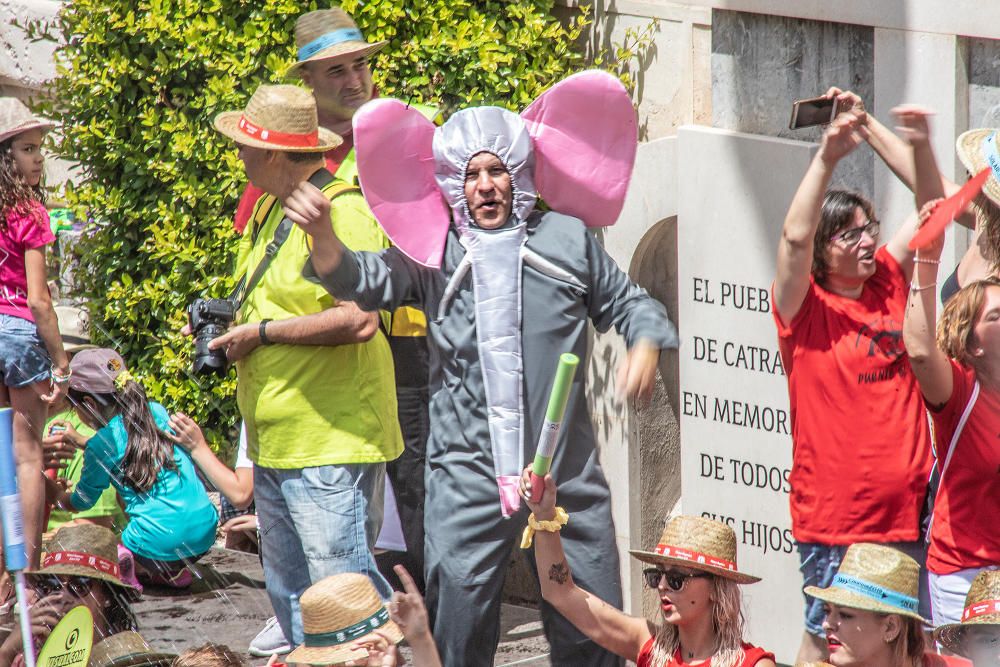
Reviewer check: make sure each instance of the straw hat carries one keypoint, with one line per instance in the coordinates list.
(74, 328)
(700, 544)
(84, 550)
(16, 118)
(337, 612)
(982, 607)
(972, 149)
(326, 33)
(279, 118)
(127, 649)
(875, 578)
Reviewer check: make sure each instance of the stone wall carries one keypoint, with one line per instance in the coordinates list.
(761, 64)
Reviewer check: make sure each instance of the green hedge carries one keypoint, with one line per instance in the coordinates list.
(138, 85)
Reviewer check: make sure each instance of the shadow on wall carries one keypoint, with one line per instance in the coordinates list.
(654, 267)
(612, 32)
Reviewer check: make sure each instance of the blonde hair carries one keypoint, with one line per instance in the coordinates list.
(908, 646)
(955, 328)
(727, 621)
(209, 655)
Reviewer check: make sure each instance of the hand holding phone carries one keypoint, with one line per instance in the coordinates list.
(813, 111)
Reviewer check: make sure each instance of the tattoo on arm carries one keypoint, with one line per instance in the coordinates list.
(559, 573)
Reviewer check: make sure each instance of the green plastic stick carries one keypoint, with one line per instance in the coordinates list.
(553, 420)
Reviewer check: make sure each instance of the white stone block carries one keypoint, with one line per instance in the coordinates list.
(735, 424)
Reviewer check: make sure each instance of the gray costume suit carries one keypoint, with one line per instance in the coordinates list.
(566, 278)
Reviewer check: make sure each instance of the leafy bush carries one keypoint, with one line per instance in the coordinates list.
(138, 86)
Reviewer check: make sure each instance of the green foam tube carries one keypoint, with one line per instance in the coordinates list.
(553, 420)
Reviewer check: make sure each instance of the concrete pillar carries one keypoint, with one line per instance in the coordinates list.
(930, 70)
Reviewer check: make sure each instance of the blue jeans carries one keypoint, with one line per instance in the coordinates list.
(315, 522)
(23, 358)
(819, 564)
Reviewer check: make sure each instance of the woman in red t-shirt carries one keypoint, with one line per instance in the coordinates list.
(871, 611)
(959, 377)
(695, 576)
(34, 368)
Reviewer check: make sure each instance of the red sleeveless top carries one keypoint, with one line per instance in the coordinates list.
(751, 656)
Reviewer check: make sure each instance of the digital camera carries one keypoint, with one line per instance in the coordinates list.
(209, 319)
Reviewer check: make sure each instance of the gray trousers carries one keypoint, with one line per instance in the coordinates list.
(468, 549)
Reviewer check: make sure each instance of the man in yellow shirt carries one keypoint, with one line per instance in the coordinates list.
(315, 376)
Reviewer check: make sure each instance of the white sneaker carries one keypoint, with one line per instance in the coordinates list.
(270, 641)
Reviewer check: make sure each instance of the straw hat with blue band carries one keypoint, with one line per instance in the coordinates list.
(327, 33)
(978, 149)
(875, 578)
(338, 612)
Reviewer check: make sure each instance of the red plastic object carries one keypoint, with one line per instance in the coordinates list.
(537, 488)
(947, 211)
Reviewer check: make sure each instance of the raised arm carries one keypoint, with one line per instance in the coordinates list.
(795, 249)
(930, 365)
(612, 629)
(893, 150)
(374, 281)
(235, 485)
(927, 183)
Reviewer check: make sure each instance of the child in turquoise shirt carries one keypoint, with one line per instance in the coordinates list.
(172, 522)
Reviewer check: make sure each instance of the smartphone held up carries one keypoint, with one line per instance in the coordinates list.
(813, 111)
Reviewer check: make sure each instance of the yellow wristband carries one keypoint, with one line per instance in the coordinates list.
(553, 526)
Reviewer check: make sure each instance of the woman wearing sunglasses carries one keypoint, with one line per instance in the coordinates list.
(80, 568)
(694, 573)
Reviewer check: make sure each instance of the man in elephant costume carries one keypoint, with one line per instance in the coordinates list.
(506, 289)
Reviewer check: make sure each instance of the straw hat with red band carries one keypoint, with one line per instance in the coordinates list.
(281, 118)
(698, 544)
(85, 550)
(16, 118)
(982, 607)
(327, 33)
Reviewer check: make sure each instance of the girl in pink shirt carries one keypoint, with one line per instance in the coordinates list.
(34, 368)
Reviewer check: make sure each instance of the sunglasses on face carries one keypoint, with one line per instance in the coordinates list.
(675, 579)
(853, 235)
(78, 586)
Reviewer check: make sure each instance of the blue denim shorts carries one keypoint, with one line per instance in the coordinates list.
(819, 564)
(23, 358)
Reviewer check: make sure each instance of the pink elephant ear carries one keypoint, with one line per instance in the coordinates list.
(392, 142)
(585, 136)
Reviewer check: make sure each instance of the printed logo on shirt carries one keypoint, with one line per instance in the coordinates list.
(12, 296)
(883, 337)
(881, 340)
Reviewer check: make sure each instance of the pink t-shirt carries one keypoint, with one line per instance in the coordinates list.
(23, 233)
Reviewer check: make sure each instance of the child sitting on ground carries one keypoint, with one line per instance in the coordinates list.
(172, 522)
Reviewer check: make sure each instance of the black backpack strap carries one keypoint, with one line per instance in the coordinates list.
(320, 179)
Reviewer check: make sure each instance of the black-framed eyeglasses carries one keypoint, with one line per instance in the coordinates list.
(853, 235)
(675, 580)
(47, 585)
